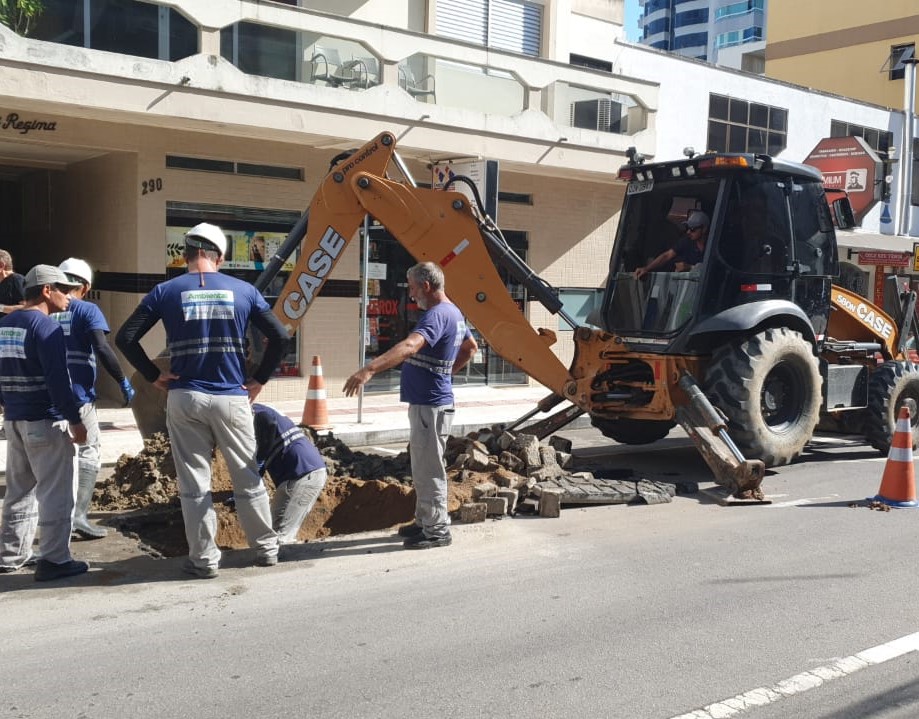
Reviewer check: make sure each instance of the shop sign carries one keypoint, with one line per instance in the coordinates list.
(17, 124)
(848, 164)
(887, 259)
(916, 257)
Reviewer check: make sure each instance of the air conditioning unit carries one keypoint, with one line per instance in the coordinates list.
(600, 114)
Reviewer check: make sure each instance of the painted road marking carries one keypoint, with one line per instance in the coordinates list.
(806, 680)
(799, 502)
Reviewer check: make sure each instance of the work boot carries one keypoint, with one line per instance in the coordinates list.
(86, 483)
(49, 571)
(419, 541)
(410, 530)
(208, 572)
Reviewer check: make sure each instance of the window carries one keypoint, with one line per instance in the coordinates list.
(691, 17)
(657, 26)
(590, 62)
(693, 39)
(878, 140)
(578, 303)
(736, 125)
(123, 26)
(513, 25)
(738, 8)
(261, 49)
(181, 162)
(899, 53)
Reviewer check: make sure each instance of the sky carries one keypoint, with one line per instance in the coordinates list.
(631, 20)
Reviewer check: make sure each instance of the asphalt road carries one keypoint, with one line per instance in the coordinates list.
(615, 611)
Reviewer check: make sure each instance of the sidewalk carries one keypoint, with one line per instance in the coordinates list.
(383, 419)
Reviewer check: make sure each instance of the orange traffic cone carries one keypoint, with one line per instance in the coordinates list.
(898, 484)
(315, 411)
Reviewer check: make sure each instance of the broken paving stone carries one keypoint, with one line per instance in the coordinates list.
(563, 459)
(511, 495)
(478, 460)
(542, 474)
(655, 492)
(560, 444)
(550, 503)
(495, 506)
(505, 478)
(526, 446)
(506, 440)
(512, 462)
(547, 457)
(484, 489)
(472, 512)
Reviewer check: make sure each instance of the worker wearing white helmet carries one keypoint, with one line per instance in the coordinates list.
(85, 329)
(205, 315)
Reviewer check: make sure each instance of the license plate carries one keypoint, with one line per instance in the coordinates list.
(636, 188)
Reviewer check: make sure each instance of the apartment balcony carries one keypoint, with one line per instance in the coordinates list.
(260, 69)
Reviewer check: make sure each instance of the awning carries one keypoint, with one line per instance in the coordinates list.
(872, 241)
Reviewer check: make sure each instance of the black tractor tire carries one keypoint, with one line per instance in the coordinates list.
(633, 431)
(769, 388)
(892, 385)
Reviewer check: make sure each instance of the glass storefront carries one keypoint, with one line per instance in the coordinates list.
(253, 235)
(391, 314)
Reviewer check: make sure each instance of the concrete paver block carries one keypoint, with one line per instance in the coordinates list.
(472, 512)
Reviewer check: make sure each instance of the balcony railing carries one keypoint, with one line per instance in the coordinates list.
(345, 55)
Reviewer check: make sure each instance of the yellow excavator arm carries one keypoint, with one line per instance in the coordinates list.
(434, 226)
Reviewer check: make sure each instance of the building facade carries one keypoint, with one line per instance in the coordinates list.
(125, 123)
(730, 33)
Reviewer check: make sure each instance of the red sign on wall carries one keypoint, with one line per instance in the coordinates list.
(887, 259)
(849, 164)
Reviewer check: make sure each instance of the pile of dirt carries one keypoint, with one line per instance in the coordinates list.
(364, 491)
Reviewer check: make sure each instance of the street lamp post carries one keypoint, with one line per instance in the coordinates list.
(906, 154)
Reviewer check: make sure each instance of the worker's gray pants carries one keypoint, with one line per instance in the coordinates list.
(429, 429)
(293, 501)
(40, 465)
(198, 422)
(89, 461)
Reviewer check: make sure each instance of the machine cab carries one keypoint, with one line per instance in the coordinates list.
(770, 237)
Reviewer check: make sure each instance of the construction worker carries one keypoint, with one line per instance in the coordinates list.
(12, 287)
(206, 315)
(39, 404)
(689, 250)
(295, 466)
(438, 347)
(85, 329)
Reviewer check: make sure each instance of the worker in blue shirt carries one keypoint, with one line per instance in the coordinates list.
(39, 407)
(206, 314)
(85, 329)
(295, 466)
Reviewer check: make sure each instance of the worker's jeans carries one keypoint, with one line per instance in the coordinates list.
(198, 422)
(293, 501)
(40, 465)
(429, 429)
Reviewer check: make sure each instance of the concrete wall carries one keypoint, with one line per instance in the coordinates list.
(841, 47)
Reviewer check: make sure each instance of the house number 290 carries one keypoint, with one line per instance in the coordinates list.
(151, 185)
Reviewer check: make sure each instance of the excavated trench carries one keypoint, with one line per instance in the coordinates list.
(370, 492)
(364, 492)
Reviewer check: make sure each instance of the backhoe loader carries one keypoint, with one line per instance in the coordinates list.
(747, 350)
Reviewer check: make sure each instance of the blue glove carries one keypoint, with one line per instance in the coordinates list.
(127, 391)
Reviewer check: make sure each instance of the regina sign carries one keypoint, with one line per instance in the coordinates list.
(849, 164)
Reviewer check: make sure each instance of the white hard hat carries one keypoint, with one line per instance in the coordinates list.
(77, 268)
(209, 233)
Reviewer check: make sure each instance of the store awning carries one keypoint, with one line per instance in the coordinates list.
(874, 242)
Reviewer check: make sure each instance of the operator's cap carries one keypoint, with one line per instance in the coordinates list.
(42, 275)
(696, 219)
(206, 236)
(77, 269)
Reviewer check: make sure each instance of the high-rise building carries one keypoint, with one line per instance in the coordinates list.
(724, 32)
